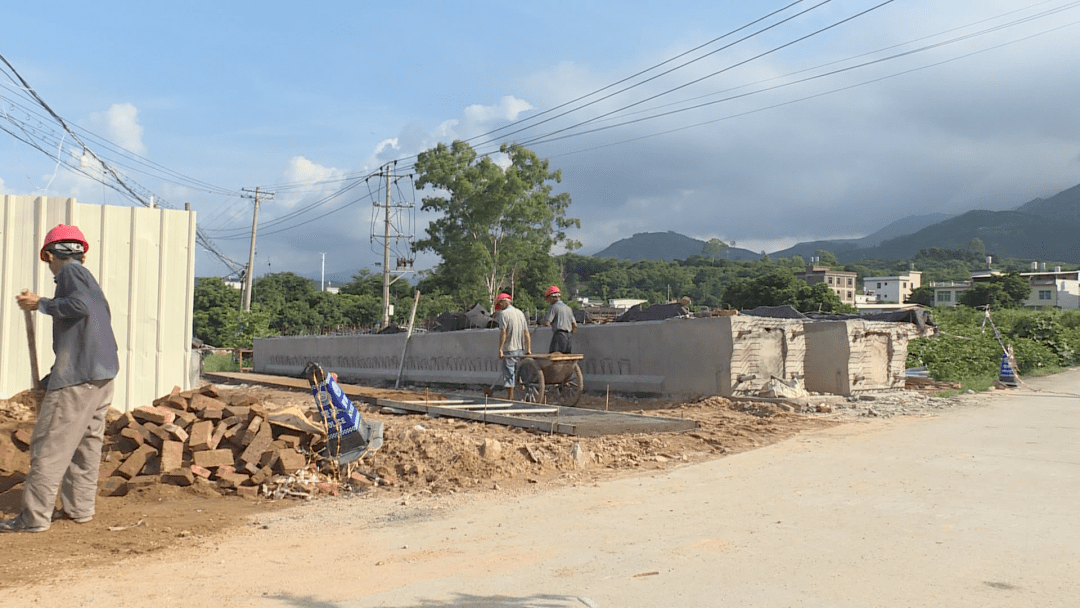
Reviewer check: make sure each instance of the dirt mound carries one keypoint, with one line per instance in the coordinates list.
(421, 455)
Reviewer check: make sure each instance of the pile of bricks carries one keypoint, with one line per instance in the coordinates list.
(202, 436)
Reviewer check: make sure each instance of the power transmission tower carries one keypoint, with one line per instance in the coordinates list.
(249, 274)
(393, 218)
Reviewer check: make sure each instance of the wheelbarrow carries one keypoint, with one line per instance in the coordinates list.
(553, 375)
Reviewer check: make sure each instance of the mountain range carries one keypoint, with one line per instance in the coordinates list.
(1040, 230)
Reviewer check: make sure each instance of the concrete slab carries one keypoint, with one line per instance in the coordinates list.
(544, 418)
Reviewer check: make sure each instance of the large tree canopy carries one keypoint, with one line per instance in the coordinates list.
(497, 224)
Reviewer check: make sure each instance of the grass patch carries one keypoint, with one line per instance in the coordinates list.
(222, 362)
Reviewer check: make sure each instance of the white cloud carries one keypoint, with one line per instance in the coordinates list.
(121, 126)
(300, 169)
(508, 108)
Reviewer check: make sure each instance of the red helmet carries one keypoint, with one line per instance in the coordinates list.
(64, 233)
(503, 296)
(552, 291)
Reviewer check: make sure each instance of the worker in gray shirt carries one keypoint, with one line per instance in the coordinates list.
(65, 447)
(561, 320)
(514, 339)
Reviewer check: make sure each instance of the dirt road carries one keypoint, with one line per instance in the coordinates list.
(976, 507)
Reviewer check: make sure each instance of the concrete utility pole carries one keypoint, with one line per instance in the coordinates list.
(322, 274)
(386, 257)
(392, 212)
(249, 274)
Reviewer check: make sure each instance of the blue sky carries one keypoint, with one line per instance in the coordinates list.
(244, 94)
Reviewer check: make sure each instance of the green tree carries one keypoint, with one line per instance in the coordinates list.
(497, 226)
(1005, 291)
(775, 287)
(976, 248)
(922, 295)
(714, 248)
(827, 258)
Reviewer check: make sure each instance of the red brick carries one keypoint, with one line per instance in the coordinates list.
(200, 471)
(248, 492)
(153, 435)
(240, 411)
(135, 463)
(258, 444)
(22, 438)
(157, 415)
(290, 461)
(133, 437)
(210, 391)
(253, 429)
(9, 456)
(200, 402)
(121, 423)
(179, 477)
(199, 438)
(172, 456)
(143, 481)
(184, 419)
(262, 475)
(232, 480)
(242, 400)
(213, 413)
(225, 469)
(177, 402)
(328, 487)
(113, 486)
(212, 459)
(176, 433)
(291, 441)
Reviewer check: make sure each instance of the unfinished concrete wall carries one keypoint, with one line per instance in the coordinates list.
(144, 260)
(673, 357)
(850, 357)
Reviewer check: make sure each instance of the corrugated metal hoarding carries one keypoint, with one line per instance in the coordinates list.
(145, 262)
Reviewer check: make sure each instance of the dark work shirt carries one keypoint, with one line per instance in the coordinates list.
(82, 329)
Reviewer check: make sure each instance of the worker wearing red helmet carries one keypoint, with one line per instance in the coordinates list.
(561, 319)
(514, 339)
(65, 448)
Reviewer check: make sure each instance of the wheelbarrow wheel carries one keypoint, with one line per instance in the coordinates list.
(571, 388)
(530, 381)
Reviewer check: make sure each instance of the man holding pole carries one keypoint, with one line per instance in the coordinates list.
(65, 447)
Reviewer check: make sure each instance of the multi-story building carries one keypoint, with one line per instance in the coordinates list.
(947, 293)
(895, 288)
(1059, 289)
(840, 281)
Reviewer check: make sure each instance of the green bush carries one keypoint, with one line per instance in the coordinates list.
(967, 350)
(223, 362)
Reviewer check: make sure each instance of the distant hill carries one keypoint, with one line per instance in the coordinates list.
(1064, 205)
(665, 246)
(901, 227)
(1012, 234)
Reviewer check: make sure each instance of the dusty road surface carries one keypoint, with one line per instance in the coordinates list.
(973, 507)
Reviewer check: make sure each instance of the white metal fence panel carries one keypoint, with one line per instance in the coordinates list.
(144, 260)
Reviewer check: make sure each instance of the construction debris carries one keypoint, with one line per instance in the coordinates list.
(230, 442)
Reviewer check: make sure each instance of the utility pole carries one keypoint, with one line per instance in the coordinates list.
(322, 274)
(386, 258)
(249, 274)
(392, 211)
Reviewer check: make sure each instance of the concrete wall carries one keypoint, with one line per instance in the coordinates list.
(144, 260)
(849, 357)
(674, 357)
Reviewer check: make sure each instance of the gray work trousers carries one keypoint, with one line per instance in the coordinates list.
(65, 452)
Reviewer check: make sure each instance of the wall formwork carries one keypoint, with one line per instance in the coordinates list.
(734, 355)
(144, 260)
